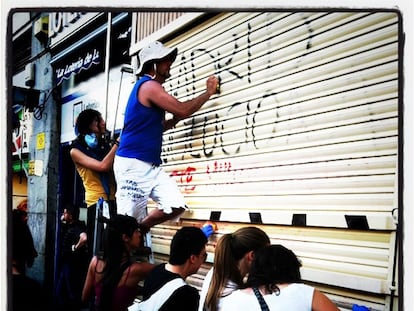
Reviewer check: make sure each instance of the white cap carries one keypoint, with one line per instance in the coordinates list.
(155, 51)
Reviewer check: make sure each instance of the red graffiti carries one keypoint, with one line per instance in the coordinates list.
(218, 167)
(185, 178)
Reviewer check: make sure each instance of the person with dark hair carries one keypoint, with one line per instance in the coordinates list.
(73, 260)
(27, 293)
(22, 209)
(93, 156)
(165, 288)
(24, 251)
(233, 257)
(274, 283)
(112, 281)
(137, 162)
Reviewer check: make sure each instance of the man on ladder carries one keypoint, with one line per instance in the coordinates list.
(137, 162)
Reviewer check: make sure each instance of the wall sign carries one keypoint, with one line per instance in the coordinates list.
(59, 20)
(82, 63)
(64, 24)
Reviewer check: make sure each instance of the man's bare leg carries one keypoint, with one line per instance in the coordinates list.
(157, 216)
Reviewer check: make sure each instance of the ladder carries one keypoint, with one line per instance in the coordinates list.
(102, 210)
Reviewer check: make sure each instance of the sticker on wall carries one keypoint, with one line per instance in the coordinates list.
(40, 141)
(38, 169)
(31, 170)
(35, 168)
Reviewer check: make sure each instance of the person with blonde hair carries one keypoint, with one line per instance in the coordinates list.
(233, 256)
(275, 284)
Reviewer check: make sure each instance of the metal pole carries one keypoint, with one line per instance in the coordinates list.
(124, 68)
(395, 259)
(107, 58)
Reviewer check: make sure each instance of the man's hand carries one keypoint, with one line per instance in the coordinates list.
(207, 230)
(213, 86)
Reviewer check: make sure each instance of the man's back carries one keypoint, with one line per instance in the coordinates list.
(184, 297)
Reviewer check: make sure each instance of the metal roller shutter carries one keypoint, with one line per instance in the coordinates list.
(302, 140)
(307, 120)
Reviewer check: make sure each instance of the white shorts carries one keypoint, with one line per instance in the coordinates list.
(137, 181)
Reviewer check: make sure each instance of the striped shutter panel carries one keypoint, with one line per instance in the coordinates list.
(148, 23)
(306, 123)
(302, 140)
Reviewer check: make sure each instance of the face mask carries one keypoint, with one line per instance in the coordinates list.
(91, 140)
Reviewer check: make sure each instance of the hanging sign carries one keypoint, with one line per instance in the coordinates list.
(82, 63)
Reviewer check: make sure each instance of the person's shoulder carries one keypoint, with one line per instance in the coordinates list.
(237, 294)
(141, 269)
(302, 290)
(77, 147)
(76, 143)
(150, 85)
(161, 268)
(210, 272)
(190, 289)
(184, 297)
(158, 275)
(158, 269)
(238, 299)
(301, 286)
(139, 265)
(186, 292)
(180, 302)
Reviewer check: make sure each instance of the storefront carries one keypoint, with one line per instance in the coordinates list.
(87, 72)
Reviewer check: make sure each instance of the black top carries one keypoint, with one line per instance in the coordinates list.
(184, 298)
(70, 236)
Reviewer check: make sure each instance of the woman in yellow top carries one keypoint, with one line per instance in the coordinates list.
(93, 156)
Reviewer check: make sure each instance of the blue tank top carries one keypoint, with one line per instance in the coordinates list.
(141, 136)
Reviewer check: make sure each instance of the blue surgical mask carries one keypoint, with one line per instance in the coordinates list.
(91, 140)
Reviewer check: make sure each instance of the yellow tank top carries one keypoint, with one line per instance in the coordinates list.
(93, 186)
